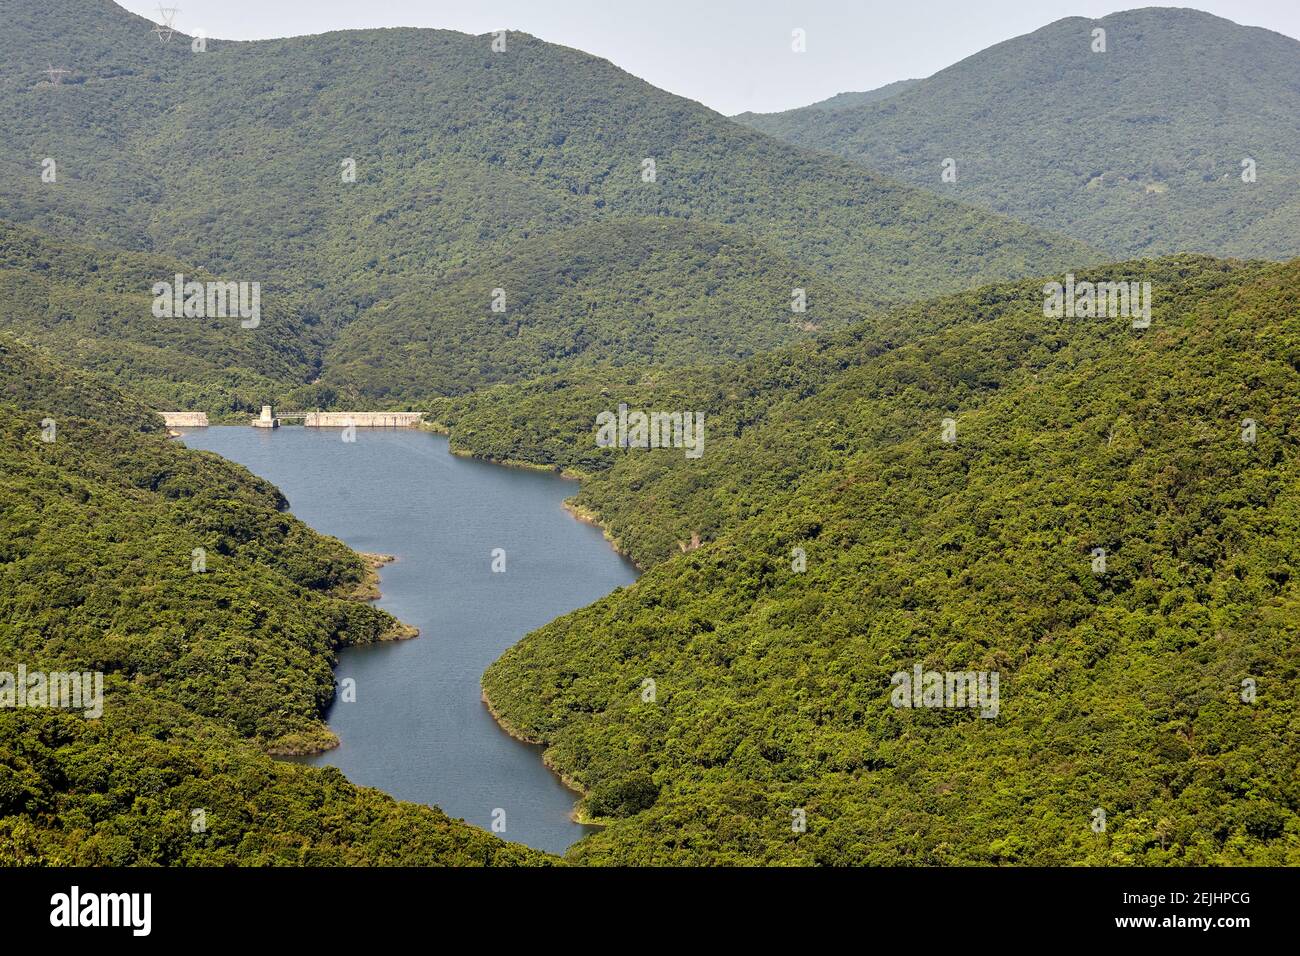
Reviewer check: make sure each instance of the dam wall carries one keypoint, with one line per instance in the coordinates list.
(185, 419)
(362, 419)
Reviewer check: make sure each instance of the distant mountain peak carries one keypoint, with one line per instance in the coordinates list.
(1131, 139)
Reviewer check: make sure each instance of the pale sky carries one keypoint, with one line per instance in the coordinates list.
(732, 55)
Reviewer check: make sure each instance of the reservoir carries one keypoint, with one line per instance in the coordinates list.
(418, 729)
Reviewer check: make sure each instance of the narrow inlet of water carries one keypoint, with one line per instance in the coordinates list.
(418, 728)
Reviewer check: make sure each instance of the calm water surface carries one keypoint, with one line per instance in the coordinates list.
(418, 729)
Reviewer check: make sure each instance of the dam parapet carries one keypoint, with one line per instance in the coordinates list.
(362, 419)
(272, 419)
(185, 419)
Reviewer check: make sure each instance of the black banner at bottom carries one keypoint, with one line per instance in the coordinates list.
(135, 906)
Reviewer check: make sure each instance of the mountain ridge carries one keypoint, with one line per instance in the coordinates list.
(235, 160)
(1138, 149)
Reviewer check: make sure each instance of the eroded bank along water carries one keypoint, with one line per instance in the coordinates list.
(419, 729)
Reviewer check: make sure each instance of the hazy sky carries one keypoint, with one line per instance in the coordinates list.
(732, 55)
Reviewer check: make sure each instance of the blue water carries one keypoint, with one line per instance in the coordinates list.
(419, 729)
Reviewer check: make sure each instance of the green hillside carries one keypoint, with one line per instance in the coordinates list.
(643, 292)
(1120, 691)
(230, 160)
(204, 673)
(1137, 150)
(93, 308)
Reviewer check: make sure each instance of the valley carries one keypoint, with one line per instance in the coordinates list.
(987, 555)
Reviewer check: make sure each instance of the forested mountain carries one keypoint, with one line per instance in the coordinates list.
(1137, 150)
(629, 292)
(235, 161)
(205, 671)
(92, 308)
(1173, 449)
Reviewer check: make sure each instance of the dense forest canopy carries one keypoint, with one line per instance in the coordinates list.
(205, 672)
(93, 308)
(1123, 690)
(634, 292)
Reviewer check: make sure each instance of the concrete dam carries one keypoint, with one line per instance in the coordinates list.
(270, 419)
(362, 419)
(185, 419)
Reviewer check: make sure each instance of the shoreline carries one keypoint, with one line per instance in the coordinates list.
(568, 474)
(576, 814)
(303, 743)
(588, 516)
(368, 591)
(320, 739)
(585, 515)
(438, 428)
